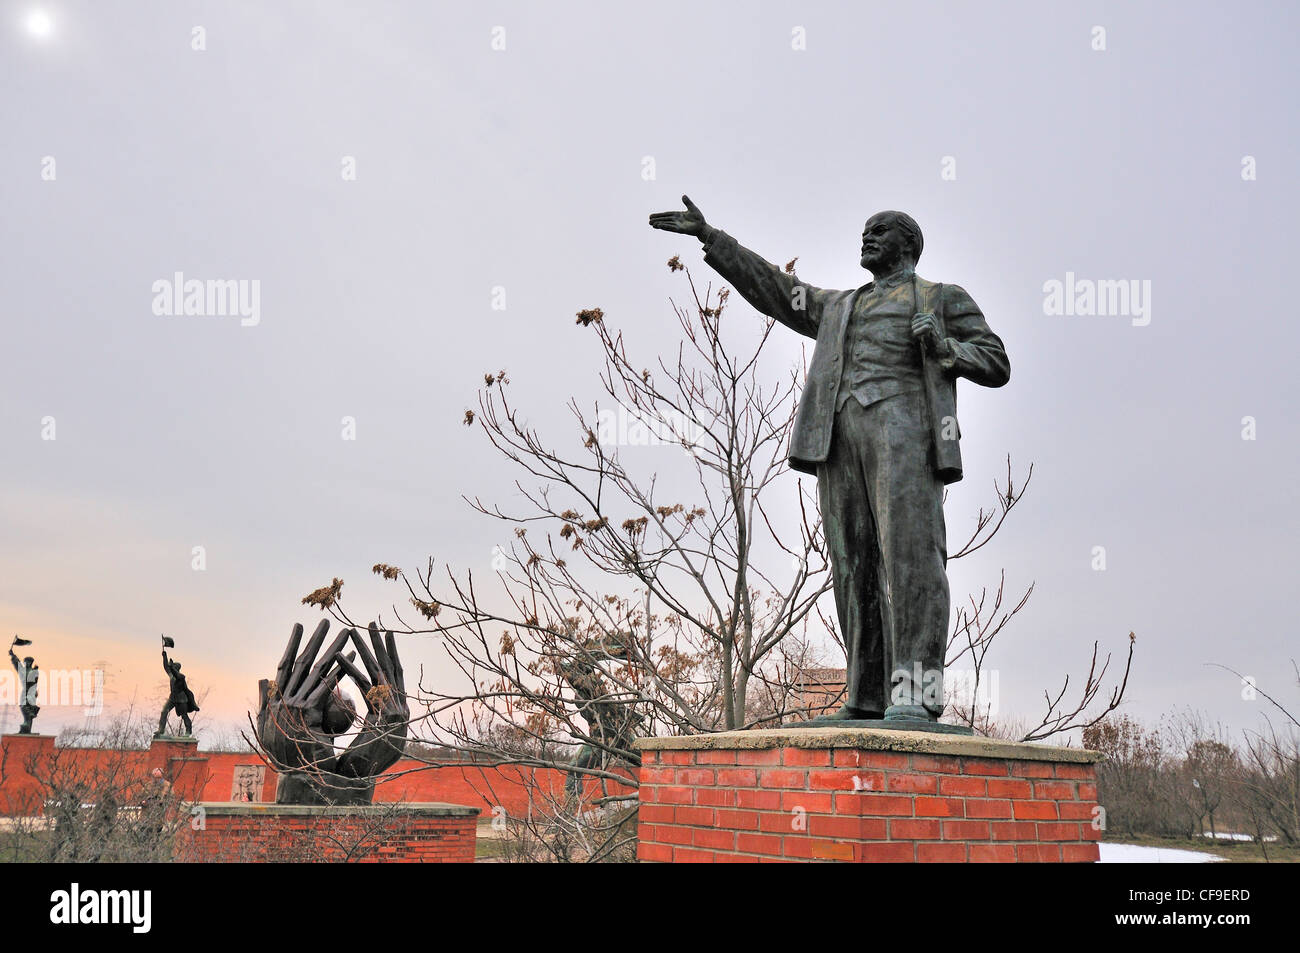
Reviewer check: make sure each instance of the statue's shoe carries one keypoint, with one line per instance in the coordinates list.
(846, 713)
(908, 713)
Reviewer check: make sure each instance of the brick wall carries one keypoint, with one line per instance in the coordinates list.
(854, 804)
(413, 834)
(22, 787)
(209, 776)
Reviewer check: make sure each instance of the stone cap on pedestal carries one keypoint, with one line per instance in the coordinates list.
(251, 809)
(872, 739)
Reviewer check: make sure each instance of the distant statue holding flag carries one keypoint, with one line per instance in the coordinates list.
(28, 675)
(181, 699)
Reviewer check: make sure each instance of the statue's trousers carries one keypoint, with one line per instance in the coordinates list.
(882, 509)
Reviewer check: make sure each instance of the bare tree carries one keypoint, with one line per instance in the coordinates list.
(1135, 782)
(1208, 767)
(621, 609)
(1268, 785)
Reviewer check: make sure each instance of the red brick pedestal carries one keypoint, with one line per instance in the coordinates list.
(864, 795)
(24, 763)
(181, 765)
(300, 833)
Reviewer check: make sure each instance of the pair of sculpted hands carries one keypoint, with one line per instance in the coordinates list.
(925, 327)
(301, 712)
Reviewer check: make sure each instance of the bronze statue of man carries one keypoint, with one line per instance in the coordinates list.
(877, 425)
(612, 723)
(29, 676)
(180, 698)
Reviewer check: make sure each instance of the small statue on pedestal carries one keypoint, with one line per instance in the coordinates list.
(28, 676)
(180, 699)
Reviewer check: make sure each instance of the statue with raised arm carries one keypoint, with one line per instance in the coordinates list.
(179, 697)
(877, 425)
(29, 675)
(302, 712)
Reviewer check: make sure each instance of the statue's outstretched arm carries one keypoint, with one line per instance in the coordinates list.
(771, 290)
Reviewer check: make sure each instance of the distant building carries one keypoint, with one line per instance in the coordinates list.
(820, 690)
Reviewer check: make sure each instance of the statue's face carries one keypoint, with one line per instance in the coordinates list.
(29, 662)
(883, 243)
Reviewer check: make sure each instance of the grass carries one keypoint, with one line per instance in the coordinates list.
(18, 848)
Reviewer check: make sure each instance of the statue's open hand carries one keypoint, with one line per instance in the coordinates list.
(382, 738)
(689, 222)
(293, 710)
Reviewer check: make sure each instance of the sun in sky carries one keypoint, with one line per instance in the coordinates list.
(39, 24)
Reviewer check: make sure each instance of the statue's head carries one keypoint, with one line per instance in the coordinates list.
(29, 662)
(890, 239)
(176, 667)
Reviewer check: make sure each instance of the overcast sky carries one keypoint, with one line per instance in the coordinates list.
(1024, 150)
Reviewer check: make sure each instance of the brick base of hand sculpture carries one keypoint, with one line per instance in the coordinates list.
(299, 833)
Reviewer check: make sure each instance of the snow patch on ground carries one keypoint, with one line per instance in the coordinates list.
(1133, 854)
(1224, 835)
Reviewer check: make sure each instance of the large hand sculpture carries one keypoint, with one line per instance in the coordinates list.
(302, 712)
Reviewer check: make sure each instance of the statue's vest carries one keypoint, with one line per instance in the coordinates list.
(811, 441)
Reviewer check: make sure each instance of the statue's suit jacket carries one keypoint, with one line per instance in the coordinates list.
(978, 354)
